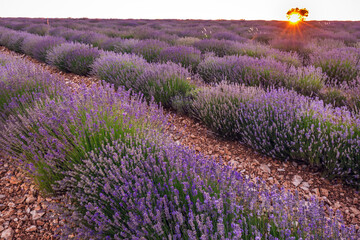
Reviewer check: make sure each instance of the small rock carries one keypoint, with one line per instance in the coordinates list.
(325, 199)
(36, 215)
(355, 201)
(14, 180)
(297, 180)
(316, 191)
(11, 205)
(30, 199)
(281, 170)
(40, 223)
(265, 168)
(305, 186)
(337, 205)
(355, 211)
(7, 234)
(324, 192)
(2, 196)
(8, 213)
(31, 229)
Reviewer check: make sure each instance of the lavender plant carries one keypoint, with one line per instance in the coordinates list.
(73, 57)
(150, 49)
(243, 69)
(11, 39)
(187, 41)
(219, 47)
(188, 57)
(284, 124)
(163, 82)
(119, 69)
(37, 46)
(57, 133)
(39, 29)
(22, 84)
(157, 189)
(120, 45)
(308, 81)
(340, 65)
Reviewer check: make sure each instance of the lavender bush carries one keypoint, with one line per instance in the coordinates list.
(219, 47)
(119, 69)
(93, 38)
(120, 45)
(37, 46)
(340, 65)
(308, 81)
(243, 69)
(73, 57)
(284, 124)
(58, 133)
(228, 36)
(187, 41)
(22, 84)
(188, 57)
(150, 49)
(159, 190)
(163, 82)
(12, 40)
(39, 29)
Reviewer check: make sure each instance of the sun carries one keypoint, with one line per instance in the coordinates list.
(296, 15)
(294, 18)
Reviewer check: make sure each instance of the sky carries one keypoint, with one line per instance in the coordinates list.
(181, 9)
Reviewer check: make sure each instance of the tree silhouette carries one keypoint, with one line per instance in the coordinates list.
(303, 12)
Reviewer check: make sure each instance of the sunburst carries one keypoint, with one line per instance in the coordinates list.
(294, 18)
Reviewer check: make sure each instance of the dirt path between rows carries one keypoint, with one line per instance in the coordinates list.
(293, 176)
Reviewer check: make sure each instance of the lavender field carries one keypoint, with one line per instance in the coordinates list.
(290, 92)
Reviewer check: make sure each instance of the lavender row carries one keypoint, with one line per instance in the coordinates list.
(50, 128)
(284, 124)
(141, 189)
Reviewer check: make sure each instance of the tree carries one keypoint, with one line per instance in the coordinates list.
(303, 13)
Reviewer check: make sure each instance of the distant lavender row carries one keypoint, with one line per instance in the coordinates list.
(169, 30)
(264, 72)
(338, 70)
